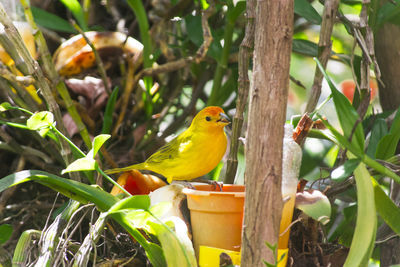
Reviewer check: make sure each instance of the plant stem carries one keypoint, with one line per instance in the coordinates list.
(112, 181)
(54, 77)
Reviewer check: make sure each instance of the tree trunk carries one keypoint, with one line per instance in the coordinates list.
(387, 47)
(267, 114)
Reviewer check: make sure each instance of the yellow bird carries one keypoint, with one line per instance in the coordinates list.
(193, 153)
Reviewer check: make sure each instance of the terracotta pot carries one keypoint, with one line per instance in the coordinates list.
(216, 216)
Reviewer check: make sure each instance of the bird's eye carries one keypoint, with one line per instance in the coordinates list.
(208, 118)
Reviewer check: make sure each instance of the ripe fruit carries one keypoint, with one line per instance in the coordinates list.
(348, 86)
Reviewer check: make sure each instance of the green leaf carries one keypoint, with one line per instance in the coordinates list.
(388, 211)
(304, 9)
(387, 145)
(134, 202)
(342, 172)
(5, 233)
(365, 231)
(75, 190)
(305, 47)
(177, 247)
(108, 114)
(75, 7)
(379, 130)
(343, 142)
(5, 106)
(40, 121)
(98, 142)
(82, 164)
(51, 21)
(204, 4)
(347, 115)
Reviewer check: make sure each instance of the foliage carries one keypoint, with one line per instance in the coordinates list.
(190, 60)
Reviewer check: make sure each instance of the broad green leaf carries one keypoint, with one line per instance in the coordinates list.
(345, 170)
(305, 47)
(82, 164)
(5, 233)
(379, 130)
(75, 190)
(177, 247)
(40, 121)
(51, 21)
(161, 208)
(388, 211)
(108, 114)
(365, 231)
(98, 142)
(347, 115)
(387, 145)
(341, 141)
(134, 202)
(304, 9)
(75, 7)
(86, 194)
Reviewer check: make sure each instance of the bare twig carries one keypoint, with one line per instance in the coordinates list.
(324, 51)
(245, 52)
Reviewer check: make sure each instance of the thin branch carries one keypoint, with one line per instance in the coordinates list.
(245, 52)
(324, 51)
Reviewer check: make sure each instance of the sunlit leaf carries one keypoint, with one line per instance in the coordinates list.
(347, 115)
(82, 164)
(75, 7)
(40, 121)
(98, 142)
(5, 106)
(177, 247)
(365, 230)
(345, 170)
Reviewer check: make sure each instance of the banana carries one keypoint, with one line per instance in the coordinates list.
(75, 55)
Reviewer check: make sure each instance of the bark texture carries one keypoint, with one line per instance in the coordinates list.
(387, 47)
(267, 112)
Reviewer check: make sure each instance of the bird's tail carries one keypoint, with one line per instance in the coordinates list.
(139, 166)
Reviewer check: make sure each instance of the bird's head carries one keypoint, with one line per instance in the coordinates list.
(211, 118)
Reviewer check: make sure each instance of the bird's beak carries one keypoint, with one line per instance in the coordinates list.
(224, 118)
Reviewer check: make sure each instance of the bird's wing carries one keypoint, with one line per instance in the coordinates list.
(171, 151)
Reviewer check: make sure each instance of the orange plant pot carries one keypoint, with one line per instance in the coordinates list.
(216, 216)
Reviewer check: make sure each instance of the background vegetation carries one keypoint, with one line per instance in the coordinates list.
(190, 60)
